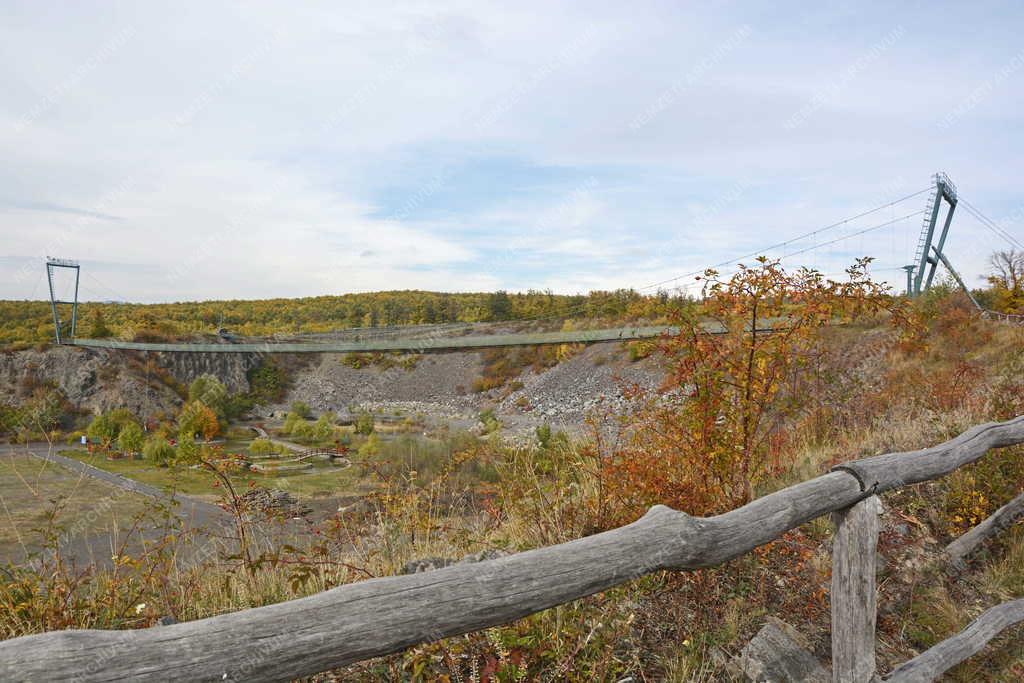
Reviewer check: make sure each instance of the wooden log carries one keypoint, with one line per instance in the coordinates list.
(932, 663)
(957, 551)
(854, 550)
(381, 616)
(893, 470)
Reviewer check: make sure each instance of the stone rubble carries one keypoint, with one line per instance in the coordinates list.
(274, 501)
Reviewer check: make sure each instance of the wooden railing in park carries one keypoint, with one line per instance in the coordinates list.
(382, 616)
(1005, 317)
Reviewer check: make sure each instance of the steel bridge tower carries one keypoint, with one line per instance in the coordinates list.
(51, 264)
(929, 255)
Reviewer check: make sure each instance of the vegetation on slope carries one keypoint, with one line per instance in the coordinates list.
(746, 414)
(31, 321)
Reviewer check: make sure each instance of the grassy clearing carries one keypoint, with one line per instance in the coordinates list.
(394, 455)
(323, 480)
(29, 489)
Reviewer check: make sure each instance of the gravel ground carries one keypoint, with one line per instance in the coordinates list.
(440, 387)
(564, 394)
(442, 382)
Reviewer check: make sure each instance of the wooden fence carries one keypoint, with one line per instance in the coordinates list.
(382, 616)
(1005, 317)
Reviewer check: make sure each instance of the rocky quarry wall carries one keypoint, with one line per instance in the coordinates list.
(439, 384)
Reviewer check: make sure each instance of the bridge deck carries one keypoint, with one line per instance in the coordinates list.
(438, 343)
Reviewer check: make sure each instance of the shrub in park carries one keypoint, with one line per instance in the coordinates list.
(364, 423)
(158, 451)
(301, 409)
(131, 439)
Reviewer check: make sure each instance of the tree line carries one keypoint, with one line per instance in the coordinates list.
(31, 321)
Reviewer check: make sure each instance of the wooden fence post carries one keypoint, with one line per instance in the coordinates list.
(854, 550)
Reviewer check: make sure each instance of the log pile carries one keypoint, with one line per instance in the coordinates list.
(273, 502)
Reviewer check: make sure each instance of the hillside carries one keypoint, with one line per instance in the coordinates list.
(557, 386)
(31, 321)
(458, 455)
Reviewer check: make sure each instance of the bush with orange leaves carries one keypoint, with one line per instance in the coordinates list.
(718, 426)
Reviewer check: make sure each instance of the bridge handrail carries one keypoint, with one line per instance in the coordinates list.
(420, 344)
(381, 616)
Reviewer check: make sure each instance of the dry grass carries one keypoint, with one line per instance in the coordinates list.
(30, 490)
(323, 479)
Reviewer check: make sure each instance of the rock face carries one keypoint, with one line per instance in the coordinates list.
(92, 379)
(101, 379)
(565, 393)
(439, 385)
(442, 384)
(443, 379)
(779, 654)
(229, 368)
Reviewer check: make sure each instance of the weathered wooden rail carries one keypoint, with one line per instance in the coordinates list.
(381, 616)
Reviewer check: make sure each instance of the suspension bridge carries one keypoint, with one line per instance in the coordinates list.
(937, 216)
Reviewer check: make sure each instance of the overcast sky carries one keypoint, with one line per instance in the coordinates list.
(206, 150)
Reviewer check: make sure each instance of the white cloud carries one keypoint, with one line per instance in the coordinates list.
(292, 127)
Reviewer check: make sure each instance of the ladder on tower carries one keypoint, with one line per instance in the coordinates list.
(925, 221)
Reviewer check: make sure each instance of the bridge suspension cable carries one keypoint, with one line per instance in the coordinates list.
(856, 234)
(991, 224)
(812, 233)
(569, 311)
(779, 245)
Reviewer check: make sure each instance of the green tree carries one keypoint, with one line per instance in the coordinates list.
(293, 423)
(209, 390)
(323, 428)
(263, 447)
(237, 405)
(364, 423)
(267, 383)
(187, 450)
(370, 447)
(131, 439)
(499, 306)
(99, 328)
(157, 451)
(121, 418)
(302, 410)
(302, 429)
(102, 429)
(544, 435)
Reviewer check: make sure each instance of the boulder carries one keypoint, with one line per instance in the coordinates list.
(779, 654)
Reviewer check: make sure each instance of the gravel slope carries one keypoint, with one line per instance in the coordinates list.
(440, 386)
